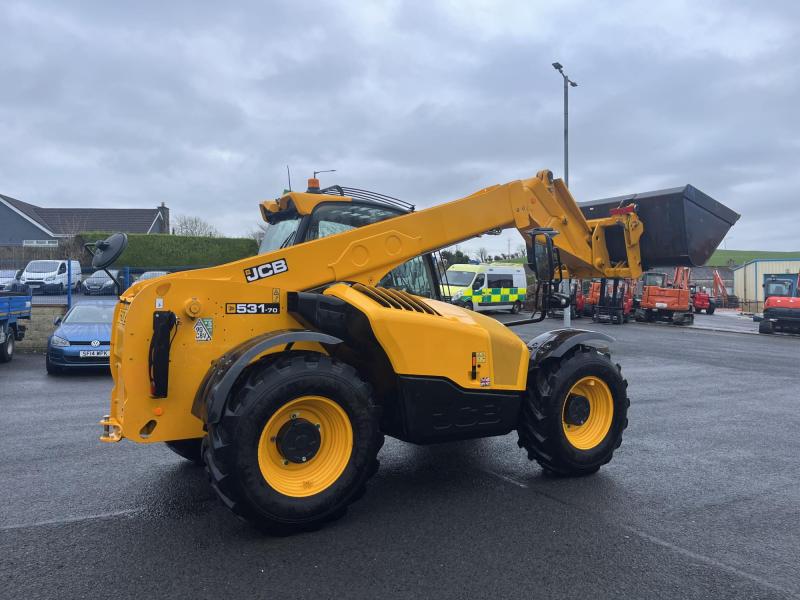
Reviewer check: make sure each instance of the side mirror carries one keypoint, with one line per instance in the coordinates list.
(477, 284)
(57, 321)
(540, 255)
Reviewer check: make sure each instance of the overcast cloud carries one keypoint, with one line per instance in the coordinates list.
(201, 105)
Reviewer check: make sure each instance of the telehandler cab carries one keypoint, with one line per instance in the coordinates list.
(283, 372)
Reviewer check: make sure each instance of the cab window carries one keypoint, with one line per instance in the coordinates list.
(338, 217)
(413, 277)
(500, 281)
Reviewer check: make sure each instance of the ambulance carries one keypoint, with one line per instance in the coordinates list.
(486, 287)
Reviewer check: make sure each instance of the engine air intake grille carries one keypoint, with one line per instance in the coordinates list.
(396, 299)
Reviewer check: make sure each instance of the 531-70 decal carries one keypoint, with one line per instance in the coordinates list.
(252, 308)
(276, 267)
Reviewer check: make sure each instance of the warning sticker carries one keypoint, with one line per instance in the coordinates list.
(203, 330)
(481, 357)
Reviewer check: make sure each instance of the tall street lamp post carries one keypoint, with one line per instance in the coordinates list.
(567, 84)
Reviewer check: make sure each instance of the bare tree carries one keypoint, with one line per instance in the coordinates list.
(483, 254)
(72, 225)
(186, 225)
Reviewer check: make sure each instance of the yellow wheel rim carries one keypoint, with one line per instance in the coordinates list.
(325, 466)
(594, 429)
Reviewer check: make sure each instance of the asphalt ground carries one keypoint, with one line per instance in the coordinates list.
(701, 501)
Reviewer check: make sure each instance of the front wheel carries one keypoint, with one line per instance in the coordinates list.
(296, 444)
(766, 327)
(574, 413)
(710, 310)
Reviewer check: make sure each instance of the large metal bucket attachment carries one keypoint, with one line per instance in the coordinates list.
(682, 226)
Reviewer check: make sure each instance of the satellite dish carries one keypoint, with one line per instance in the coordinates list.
(108, 250)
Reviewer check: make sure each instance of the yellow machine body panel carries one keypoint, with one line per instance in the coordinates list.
(443, 344)
(198, 342)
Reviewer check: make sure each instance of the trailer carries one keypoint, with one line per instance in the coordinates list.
(15, 308)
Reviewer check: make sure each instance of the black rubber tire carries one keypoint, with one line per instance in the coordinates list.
(516, 307)
(698, 310)
(540, 429)
(230, 449)
(766, 327)
(50, 367)
(7, 347)
(191, 450)
(710, 310)
(639, 316)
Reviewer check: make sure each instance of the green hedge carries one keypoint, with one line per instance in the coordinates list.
(162, 250)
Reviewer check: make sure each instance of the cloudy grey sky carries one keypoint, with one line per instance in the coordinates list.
(202, 105)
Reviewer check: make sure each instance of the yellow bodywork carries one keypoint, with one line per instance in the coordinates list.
(440, 344)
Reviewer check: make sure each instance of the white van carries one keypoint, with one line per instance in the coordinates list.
(51, 276)
(486, 287)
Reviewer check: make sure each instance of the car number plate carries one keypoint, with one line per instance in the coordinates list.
(94, 353)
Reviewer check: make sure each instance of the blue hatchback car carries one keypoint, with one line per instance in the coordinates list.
(82, 337)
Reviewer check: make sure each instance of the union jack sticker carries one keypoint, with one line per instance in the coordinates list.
(486, 381)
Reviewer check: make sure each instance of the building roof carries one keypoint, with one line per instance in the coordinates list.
(795, 258)
(70, 221)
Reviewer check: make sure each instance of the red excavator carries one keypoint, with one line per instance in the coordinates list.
(781, 305)
(701, 300)
(662, 302)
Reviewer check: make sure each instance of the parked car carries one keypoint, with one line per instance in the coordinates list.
(82, 337)
(101, 284)
(151, 275)
(51, 276)
(10, 281)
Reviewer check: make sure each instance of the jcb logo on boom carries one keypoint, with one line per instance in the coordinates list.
(276, 267)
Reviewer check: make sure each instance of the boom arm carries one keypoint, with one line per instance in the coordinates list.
(366, 254)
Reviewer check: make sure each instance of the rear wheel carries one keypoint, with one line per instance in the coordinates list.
(191, 450)
(7, 347)
(710, 310)
(574, 413)
(516, 307)
(766, 327)
(639, 316)
(296, 444)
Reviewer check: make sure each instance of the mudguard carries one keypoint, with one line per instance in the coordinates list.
(556, 343)
(212, 395)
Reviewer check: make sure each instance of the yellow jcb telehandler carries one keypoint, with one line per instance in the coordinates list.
(283, 372)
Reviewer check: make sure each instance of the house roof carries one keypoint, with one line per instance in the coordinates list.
(69, 221)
